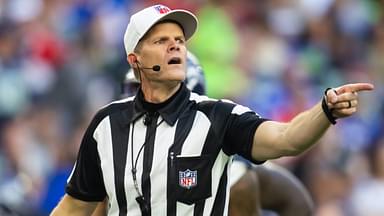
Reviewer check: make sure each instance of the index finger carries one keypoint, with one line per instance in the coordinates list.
(355, 87)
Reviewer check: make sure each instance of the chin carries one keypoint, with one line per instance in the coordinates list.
(176, 75)
(176, 79)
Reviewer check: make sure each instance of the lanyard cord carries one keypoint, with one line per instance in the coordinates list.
(134, 164)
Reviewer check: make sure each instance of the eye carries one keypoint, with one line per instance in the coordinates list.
(161, 41)
(180, 40)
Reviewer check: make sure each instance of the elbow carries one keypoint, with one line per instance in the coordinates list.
(290, 149)
(290, 152)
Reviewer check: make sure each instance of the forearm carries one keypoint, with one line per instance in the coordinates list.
(305, 129)
(275, 139)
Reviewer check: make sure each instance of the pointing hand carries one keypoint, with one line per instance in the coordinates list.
(343, 100)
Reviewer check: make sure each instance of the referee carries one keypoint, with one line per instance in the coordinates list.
(167, 151)
(254, 189)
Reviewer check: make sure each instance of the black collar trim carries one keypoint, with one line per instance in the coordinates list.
(168, 110)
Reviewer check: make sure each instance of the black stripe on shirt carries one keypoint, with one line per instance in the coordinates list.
(199, 208)
(148, 160)
(219, 204)
(120, 136)
(214, 141)
(183, 128)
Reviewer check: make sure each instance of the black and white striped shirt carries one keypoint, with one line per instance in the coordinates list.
(183, 167)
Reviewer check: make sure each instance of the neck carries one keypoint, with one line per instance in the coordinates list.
(154, 93)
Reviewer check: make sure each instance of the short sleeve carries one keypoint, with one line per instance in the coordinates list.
(240, 133)
(86, 180)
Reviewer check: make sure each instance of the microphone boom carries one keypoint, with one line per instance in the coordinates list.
(154, 68)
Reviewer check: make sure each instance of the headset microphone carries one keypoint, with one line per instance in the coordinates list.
(154, 68)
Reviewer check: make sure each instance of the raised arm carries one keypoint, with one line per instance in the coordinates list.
(275, 139)
(74, 207)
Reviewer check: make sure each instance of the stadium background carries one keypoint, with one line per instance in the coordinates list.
(60, 60)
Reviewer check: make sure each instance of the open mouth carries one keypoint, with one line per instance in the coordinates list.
(175, 60)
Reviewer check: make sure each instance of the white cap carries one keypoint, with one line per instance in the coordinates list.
(142, 21)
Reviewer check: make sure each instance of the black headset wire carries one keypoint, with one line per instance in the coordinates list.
(140, 70)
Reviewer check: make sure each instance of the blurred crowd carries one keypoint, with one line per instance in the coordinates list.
(61, 60)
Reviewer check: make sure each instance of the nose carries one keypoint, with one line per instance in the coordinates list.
(173, 46)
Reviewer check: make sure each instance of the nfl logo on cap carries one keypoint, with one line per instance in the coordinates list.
(162, 9)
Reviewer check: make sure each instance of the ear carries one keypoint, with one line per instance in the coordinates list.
(132, 59)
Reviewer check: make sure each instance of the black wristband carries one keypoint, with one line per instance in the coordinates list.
(326, 110)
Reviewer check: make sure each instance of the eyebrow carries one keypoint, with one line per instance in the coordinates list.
(180, 37)
(167, 37)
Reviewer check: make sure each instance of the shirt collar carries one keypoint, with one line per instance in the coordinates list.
(168, 110)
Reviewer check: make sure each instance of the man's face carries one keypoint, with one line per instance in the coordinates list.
(164, 45)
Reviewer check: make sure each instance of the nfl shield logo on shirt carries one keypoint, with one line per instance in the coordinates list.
(187, 178)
